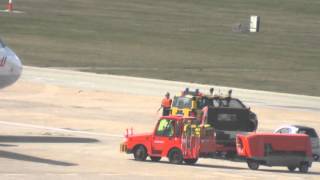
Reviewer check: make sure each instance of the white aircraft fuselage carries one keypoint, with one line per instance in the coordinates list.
(10, 66)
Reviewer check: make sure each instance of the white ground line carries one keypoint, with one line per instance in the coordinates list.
(63, 174)
(14, 11)
(59, 129)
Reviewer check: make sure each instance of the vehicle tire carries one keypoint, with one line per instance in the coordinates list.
(252, 164)
(304, 167)
(291, 168)
(155, 159)
(140, 153)
(175, 156)
(316, 157)
(190, 161)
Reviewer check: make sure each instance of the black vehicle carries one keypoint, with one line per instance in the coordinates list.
(229, 116)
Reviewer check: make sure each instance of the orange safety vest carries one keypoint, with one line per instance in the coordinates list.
(166, 103)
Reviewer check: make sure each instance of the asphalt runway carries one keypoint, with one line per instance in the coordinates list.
(61, 124)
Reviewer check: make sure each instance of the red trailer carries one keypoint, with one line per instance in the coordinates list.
(293, 151)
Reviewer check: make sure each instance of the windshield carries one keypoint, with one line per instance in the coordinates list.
(182, 102)
(202, 102)
(232, 103)
(165, 128)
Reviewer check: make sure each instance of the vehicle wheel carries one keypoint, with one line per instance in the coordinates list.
(316, 157)
(291, 168)
(252, 164)
(191, 161)
(155, 159)
(304, 167)
(175, 156)
(140, 153)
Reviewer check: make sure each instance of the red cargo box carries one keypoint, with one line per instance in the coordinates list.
(293, 151)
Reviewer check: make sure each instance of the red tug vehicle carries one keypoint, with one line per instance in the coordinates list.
(175, 137)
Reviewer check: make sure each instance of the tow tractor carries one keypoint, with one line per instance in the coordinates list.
(172, 138)
(176, 137)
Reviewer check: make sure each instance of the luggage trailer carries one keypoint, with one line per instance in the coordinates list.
(290, 150)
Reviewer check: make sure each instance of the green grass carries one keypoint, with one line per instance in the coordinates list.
(184, 40)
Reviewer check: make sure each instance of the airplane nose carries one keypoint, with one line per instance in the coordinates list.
(14, 68)
(11, 66)
(16, 65)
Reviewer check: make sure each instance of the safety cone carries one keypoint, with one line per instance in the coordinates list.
(10, 6)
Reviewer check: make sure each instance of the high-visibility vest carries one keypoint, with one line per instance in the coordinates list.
(166, 103)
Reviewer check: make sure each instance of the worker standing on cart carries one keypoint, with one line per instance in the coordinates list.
(166, 105)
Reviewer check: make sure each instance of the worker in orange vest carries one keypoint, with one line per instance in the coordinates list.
(166, 105)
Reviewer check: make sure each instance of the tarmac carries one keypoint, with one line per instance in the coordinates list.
(62, 124)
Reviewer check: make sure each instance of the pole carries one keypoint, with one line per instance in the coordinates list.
(10, 6)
